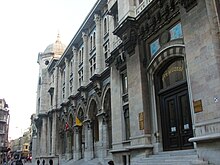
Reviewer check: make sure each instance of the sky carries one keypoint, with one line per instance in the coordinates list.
(27, 27)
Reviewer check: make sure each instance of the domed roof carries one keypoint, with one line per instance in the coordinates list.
(57, 48)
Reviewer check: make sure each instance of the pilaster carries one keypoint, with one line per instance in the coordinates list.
(103, 135)
(77, 144)
(85, 60)
(43, 141)
(75, 70)
(66, 79)
(99, 57)
(89, 153)
(53, 151)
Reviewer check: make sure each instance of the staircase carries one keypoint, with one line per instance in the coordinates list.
(184, 157)
(83, 162)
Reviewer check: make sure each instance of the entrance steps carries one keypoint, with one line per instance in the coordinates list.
(183, 157)
(82, 162)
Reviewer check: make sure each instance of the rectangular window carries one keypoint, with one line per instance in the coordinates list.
(127, 123)
(154, 47)
(124, 160)
(92, 64)
(176, 32)
(80, 77)
(124, 79)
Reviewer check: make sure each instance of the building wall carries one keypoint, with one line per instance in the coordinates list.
(103, 99)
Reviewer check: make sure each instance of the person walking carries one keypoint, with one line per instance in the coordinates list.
(111, 162)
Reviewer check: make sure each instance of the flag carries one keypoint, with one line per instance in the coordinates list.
(78, 122)
(67, 126)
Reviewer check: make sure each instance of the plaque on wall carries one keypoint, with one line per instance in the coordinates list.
(197, 106)
(141, 120)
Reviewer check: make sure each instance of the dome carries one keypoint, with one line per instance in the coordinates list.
(57, 48)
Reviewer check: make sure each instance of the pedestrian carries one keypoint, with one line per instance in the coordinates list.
(19, 162)
(43, 162)
(38, 162)
(51, 162)
(111, 162)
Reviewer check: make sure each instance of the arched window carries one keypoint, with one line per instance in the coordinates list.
(173, 73)
(105, 26)
(80, 56)
(90, 42)
(94, 40)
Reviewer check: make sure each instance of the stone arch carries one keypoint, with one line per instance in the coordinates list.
(93, 111)
(80, 131)
(106, 107)
(93, 99)
(159, 101)
(63, 136)
(164, 55)
(70, 136)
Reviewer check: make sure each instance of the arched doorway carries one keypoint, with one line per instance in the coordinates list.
(107, 109)
(172, 91)
(81, 132)
(93, 111)
(70, 136)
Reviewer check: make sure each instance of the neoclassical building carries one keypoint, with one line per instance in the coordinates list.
(137, 84)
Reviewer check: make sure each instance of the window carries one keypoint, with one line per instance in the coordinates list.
(80, 56)
(71, 85)
(124, 79)
(63, 83)
(94, 39)
(81, 53)
(71, 68)
(124, 160)
(92, 64)
(80, 76)
(105, 26)
(90, 43)
(173, 73)
(127, 123)
(63, 92)
(106, 50)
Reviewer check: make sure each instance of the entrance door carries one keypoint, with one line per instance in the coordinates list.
(176, 120)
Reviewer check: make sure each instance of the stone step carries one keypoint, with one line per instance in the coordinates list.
(184, 157)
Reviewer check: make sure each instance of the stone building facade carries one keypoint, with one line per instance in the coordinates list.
(4, 127)
(139, 78)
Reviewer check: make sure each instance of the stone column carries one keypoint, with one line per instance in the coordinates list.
(99, 56)
(43, 140)
(77, 144)
(89, 153)
(75, 70)
(85, 60)
(48, 136)
(59, 88)
(43, 92)
(103, 136)
(54, 128)
(67, 75)
(55, 97)
(34, 146)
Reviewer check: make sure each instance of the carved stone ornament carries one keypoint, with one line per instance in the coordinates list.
(188, 4)
(165, 37)
(159, 14)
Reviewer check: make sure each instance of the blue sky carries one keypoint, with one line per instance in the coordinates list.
(27, 28)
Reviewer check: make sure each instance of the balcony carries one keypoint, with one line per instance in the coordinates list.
(142, 6)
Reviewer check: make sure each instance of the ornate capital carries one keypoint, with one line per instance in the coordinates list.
(84, 36)
(97, 18)
(74, 50)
